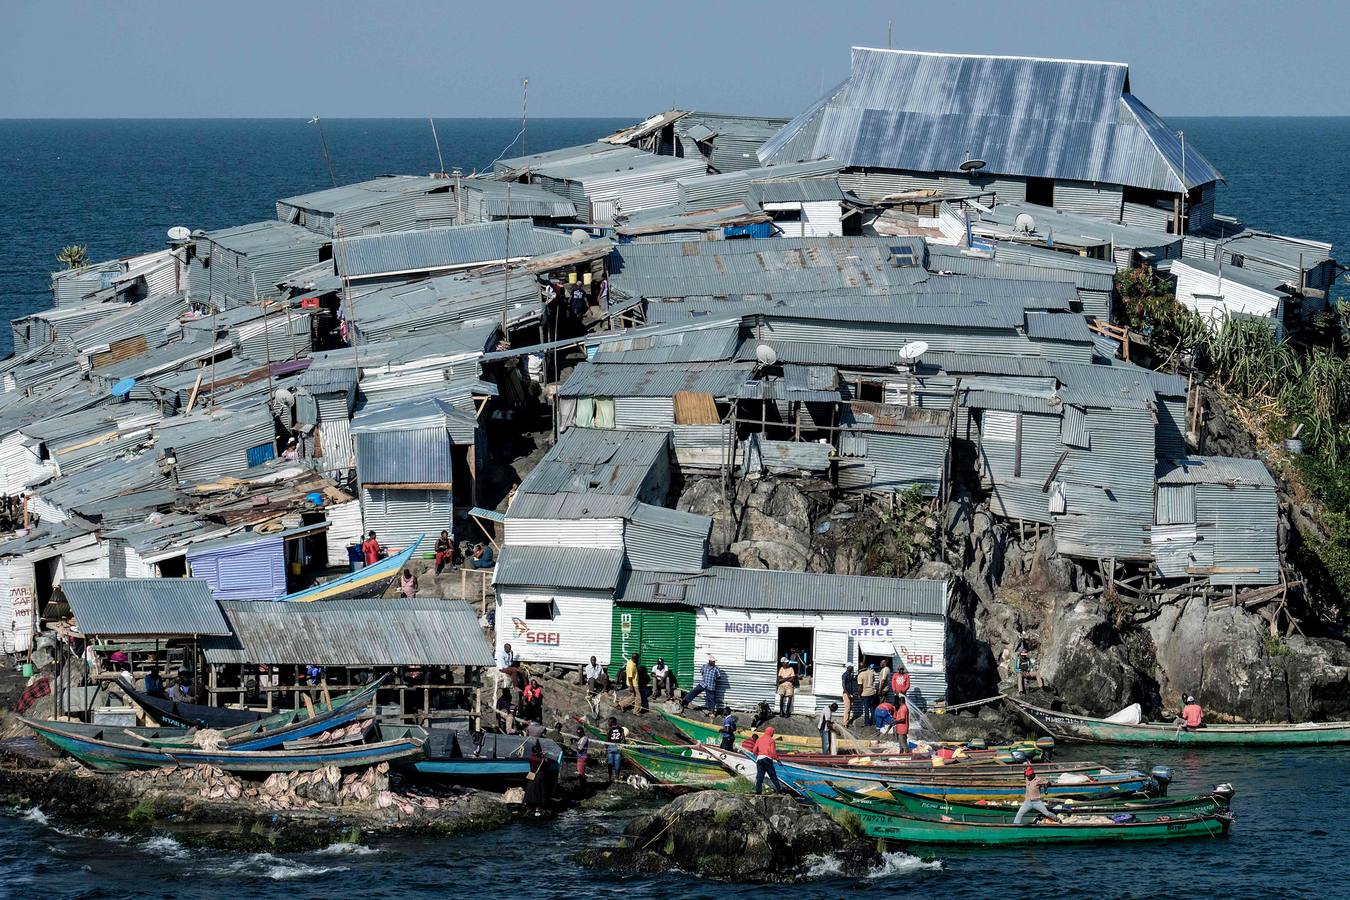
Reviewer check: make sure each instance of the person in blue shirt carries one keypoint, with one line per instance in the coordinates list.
(728, 730)
(154, 684)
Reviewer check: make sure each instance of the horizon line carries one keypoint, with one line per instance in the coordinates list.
(306, 118)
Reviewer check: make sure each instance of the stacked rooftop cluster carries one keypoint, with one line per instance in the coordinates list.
(910, 280)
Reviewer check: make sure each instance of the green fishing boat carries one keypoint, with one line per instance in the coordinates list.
(709, 732)
(901, 802)
(910, 829)
(1065, 726)
(674, 771)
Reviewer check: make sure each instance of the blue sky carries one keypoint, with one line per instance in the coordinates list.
(242, 58)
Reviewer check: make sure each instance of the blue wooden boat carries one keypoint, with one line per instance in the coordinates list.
(106, 749)
(461, 756)
(176, 714)
(372, 581)
(277, 729)
(806, 780)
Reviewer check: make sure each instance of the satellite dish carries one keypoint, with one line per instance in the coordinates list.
(973, 165)
(1024, 223)
(913, 350)
(766, 355)
(123, 387)
(285, 396)
(579, 236)
(178, 234)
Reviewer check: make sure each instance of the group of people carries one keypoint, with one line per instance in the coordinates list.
(448, 554)
(878, 695)
(520, 699)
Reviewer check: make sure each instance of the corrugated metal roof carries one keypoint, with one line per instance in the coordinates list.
(1215, 470)
(672, 519)
(760, 589)
(143, 606)
(1060, 225)
(571, 506)
(358, 633)
(660, 219)
(347, 197)
(526, 200)
(1053, 118)
(597, 461)
(721, 379)
(417, 415)
(431, 249)
(1069, 327)
(858, 265)
(582, 568)
(796, 190)
(668, 343)
(265, 237)
(407, 456)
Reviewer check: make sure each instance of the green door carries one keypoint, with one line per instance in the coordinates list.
(666, 632)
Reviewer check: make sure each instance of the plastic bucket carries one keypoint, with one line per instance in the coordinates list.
(28, 670)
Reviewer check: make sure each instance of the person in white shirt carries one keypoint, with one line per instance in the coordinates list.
(505, 660)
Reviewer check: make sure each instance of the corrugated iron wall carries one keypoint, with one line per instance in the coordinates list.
(400, 515)
(1102, 200)
(580, 628)
(254, 572)
(1245, 531)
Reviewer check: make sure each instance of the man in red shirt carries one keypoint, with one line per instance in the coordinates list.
(766, 753)
(370, 549)
(1192, 715)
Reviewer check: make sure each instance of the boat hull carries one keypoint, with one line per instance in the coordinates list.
(372, 581)
(111, 756)
(1098, 731)
(806, 779)
(672, 770)
(904, 803)
(906, 829)
(173, 714)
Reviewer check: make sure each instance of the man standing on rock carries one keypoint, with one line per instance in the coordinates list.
(850, 684)
(867, 691)
(506, 662)
(766, 755)
(708, 676)
(1032, 800)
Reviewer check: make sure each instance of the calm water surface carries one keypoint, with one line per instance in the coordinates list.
(1289, 840)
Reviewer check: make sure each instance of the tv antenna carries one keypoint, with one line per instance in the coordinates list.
(439, 159)
(323, 139)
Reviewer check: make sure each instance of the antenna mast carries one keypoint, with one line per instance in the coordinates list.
(439, 159)
(506, 271)
(324, 141)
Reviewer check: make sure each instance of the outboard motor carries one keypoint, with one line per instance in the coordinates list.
(1162, 775)
(1224, 792)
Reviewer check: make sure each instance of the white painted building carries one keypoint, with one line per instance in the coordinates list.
(749, 619)
(1219, 294)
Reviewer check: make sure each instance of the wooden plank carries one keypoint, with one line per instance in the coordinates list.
(695, 408)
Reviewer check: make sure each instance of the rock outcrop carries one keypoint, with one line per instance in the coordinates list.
(736, 837)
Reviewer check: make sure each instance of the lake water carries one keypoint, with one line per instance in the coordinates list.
(1289, 840)
(116, 186)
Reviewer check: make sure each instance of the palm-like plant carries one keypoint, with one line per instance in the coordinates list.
(74, 256)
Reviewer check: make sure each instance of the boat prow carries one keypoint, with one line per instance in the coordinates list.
(1067, 726)
(368, 582)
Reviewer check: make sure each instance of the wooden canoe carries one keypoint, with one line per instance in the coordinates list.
(457, 756)
(904, 803)
(275, 730)
(372, 581)
(709, 732)
(679, 772)
(803, 778)
(1065, 726)
(98, 748)
(175, 714)
(910, 829)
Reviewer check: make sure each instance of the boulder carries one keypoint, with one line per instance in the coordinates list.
(736, 837)
(1087, 661)
(1227, 658)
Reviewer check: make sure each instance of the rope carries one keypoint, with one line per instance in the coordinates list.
(947, 709)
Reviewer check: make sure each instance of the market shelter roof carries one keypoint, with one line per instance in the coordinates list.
(143, 607)
(357, 633)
